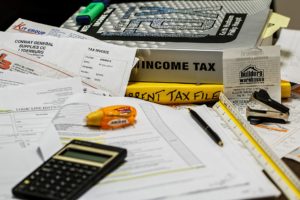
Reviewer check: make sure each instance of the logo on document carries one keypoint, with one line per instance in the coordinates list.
(4, 64)
(160, 23)
(252, 75)
(22, 28)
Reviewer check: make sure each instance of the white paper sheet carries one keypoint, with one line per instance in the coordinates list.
(9, 78)
(165, 158)
(104, 64)
(289, 42)
(16, 163)
(283, 138)
(30, 109)
(234, 151)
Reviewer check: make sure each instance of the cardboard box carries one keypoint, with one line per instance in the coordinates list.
(181, 41)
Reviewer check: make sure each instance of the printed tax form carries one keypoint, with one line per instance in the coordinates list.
(94, 61)
(27, 65)
(29, 110)
(8, 79)
(168, 154)
(26, 111)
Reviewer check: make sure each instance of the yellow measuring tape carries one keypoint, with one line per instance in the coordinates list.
(285, 179)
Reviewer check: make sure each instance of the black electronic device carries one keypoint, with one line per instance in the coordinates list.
(70, 172)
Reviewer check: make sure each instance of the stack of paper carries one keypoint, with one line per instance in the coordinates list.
(37, 75)
(49, 84)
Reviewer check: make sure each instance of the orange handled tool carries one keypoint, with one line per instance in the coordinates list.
(112, 117)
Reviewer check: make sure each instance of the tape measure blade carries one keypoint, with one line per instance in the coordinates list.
(281, 174)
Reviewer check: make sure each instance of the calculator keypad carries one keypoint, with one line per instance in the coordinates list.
(56, 179)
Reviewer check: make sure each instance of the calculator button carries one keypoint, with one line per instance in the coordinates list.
(88, 172)
(52, 193)
(62, 194)
(21, 186)
(76, 175)
(78, 180)
(46, 169)
(77, 165)
(83, 176)
(57, 187)
(72, 169)
(42, 179)
(37, 173)
(94, 168)
(32, 188)
(68, 179)
(32, 177)
(68, 189)
(55, 166)
(43, 190)
(67, 173)
(37, 184)
(61, 162)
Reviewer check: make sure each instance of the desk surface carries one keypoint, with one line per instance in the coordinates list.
(55, 13)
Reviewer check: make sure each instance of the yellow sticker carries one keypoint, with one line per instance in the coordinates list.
(276, 22)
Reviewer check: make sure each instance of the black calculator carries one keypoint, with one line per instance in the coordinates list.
(70, 172)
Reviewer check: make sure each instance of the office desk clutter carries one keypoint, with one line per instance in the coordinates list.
(169, 154)
(105, 83)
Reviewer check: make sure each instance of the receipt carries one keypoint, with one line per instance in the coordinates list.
(248, 70)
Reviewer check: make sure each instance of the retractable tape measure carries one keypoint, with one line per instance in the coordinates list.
(278, 171)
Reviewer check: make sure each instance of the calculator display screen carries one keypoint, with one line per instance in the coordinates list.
(85, 155)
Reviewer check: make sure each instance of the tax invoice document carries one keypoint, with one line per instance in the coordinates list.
(9, 78)
(168, 153)
(106, 65)
(18, 68)
(26, 111)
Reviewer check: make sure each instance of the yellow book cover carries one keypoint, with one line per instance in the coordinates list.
(178, 93)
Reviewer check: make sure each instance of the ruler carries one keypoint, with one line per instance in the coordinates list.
(278, 171)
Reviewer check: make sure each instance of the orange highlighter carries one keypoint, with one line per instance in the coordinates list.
(112, 117)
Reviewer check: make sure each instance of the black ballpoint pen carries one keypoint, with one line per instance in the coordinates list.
(212, 134)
